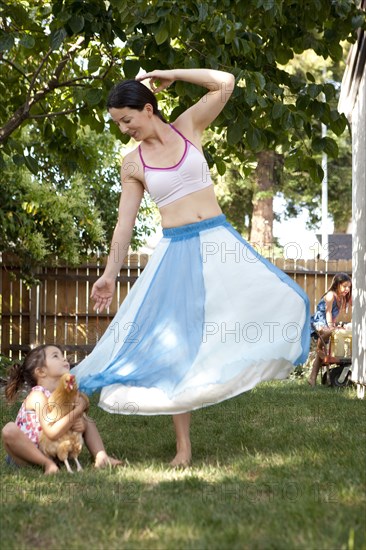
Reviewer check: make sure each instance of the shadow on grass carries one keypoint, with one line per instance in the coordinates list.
(278, 467)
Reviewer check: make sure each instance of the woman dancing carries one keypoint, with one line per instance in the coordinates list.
(208, 318)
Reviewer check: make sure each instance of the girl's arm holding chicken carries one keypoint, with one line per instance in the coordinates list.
(55, 429)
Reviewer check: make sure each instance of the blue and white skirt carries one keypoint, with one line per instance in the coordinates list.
(208, 319)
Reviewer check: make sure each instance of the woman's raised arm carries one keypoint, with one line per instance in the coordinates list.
(219, 84)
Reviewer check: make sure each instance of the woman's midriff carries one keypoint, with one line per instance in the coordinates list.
(192, 208)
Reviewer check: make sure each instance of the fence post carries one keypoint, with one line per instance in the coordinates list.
(32, 336)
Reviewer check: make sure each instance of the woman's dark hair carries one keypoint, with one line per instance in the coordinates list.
(23, 374)
(132, 94)
(338, 280)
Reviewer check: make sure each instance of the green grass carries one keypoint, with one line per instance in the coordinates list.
(280, 467)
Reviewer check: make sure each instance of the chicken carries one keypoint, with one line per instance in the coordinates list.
(60, 403)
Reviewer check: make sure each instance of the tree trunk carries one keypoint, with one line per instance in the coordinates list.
(262, 219)
(342, 227)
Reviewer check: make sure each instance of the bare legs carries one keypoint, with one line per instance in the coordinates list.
(182, 424)
(324, 336)
(23, 451)
(314, 371)
(96, 447)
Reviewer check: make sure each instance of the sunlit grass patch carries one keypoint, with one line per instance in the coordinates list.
(282, 466)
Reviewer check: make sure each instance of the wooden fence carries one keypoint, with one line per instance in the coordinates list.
(58, 309)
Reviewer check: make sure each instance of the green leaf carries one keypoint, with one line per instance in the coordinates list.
(268, 5)
(131, 67)
(292, 161)
(244, 48)
(120, 33)
(303, 102)
(315, 170)
(234, 134)
(318, 108)
(261, 101)
(308, 129)
(63, 17)
(6, 42)
(335, 50)
(137, 46)
(18, 159)
(162, 12)
(76, 23)
(283, 55)
(254, 138)
(314, 90)
(329, 91)
(287, 120)
(93, 96)
(229, 33)
(203, 12)
(31, 164)
(330, 147)
(94, 64)
(337, 124)
(317, 144)
(221, 166)
(310, 77)
(358, 21)
(27, 41)
(19, 14)
(161, 35)
(57, 37)
(278, 110)
(297, 83)
(260, 80)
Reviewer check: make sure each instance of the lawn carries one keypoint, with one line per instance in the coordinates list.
(280, 467)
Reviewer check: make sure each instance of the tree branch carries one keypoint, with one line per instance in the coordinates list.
(49, 115)
(33, 81)
(23, 112)
(2, 58)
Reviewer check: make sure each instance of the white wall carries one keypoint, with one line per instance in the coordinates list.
(359, 237)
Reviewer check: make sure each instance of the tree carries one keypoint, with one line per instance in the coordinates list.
(300, 191)
(67, 211)
(60, 59)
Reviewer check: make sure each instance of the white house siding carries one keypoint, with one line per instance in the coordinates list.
(359, 236)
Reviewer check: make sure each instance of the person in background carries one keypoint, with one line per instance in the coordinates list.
(323, 323)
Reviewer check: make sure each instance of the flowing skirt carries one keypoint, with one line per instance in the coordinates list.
(208, 319)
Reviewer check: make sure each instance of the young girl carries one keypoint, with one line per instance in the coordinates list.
(41, 370)
(323, 322)
(208, 318)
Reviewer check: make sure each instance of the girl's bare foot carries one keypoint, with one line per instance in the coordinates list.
(102, 460)
(51, 468)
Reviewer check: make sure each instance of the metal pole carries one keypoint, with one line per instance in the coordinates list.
(325, 251)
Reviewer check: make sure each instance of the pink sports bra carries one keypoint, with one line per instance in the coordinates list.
(191, 174)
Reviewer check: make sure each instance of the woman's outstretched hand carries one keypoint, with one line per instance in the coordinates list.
(158, 80)
(102, 293)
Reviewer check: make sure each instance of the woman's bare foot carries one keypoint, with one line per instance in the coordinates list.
(183, 458)
(102, 460)
(184, 452)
